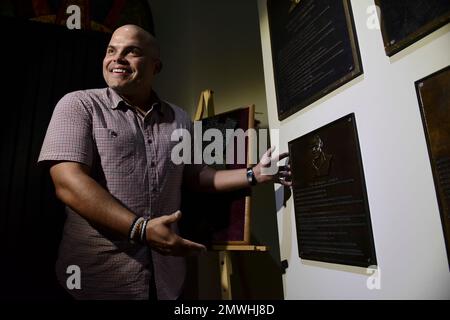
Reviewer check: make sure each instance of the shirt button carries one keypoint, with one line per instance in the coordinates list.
(152, 164)
(155, 189)
(150, 141)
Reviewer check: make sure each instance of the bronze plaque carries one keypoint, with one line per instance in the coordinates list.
(405, 22)
(314, 50)
(331, 208)
(434, 100)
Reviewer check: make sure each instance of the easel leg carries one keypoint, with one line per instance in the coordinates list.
(225, 273)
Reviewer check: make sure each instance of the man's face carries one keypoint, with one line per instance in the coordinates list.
(130, 64)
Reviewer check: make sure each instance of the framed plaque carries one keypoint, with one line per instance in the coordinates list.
(330, 199)
(314, 50)
(221, 218)
(434, 99)
(404, 22)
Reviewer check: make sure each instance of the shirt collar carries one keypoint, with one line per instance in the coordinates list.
(117, 101)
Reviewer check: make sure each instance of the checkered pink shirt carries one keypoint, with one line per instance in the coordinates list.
(130, 157)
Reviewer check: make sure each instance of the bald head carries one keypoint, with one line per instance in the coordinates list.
(147, 40)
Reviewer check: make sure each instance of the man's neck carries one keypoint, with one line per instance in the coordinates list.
(142, 103)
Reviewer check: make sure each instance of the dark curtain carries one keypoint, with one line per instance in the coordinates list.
(39, 64)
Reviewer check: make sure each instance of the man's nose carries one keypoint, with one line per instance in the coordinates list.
(120, 58)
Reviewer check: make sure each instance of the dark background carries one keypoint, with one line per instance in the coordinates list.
(40, 63)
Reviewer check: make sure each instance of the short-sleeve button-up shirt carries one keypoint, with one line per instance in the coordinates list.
(129, 155)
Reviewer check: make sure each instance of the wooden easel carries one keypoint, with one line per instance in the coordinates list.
(206, 107)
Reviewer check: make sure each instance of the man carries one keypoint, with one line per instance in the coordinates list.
(109, 154)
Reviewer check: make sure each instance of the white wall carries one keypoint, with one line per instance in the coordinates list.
(407, 229)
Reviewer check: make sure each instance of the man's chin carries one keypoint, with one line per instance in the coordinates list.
(121, 89)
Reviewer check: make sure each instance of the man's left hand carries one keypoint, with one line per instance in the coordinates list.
(267, 169)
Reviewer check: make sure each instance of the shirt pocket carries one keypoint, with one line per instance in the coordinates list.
(117, 150)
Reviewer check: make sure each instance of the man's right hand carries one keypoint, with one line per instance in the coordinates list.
(162, 239)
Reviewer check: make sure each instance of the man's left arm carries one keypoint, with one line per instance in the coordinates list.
(208, 179)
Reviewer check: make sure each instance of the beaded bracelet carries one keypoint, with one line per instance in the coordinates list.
(134, 229)
(143, 236)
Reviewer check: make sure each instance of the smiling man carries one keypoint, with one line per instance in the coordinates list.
(109, 156)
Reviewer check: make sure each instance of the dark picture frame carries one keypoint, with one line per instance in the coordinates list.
(434, 103)
(331, 206)
(404, 22)
(314, 50)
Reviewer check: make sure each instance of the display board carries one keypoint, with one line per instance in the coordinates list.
(434, 100)
(314, 50)
(221, 218)
(404, 22)
(330, 199)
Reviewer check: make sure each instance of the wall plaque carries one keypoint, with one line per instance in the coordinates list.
(404, 22)
(331, 207)
(314, 50)
(434, 99)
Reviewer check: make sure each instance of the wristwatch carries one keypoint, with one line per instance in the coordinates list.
(251, 177)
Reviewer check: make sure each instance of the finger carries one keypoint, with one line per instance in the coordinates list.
(286, 183)
(281, 156)
(286, 168)
(174, 217)
(265, 159)
(181, 247)
(270, 151)
(284, 174)
(191, 247)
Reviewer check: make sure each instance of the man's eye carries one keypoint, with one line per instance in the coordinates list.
(110, 51)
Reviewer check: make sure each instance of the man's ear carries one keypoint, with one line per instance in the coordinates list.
(158, 67)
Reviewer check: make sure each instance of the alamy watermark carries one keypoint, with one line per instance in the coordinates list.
(224, 146)
(74, 19)
(373, 21)
(74, 279)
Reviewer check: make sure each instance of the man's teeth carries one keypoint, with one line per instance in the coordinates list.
(119, 70)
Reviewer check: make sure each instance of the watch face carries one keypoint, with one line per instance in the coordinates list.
(251, 176)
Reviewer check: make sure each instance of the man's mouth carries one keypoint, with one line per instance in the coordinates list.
(120, 71)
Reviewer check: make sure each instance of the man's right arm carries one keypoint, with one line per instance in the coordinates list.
(79, 191)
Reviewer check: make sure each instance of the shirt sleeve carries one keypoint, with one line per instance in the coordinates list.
(69, 134)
